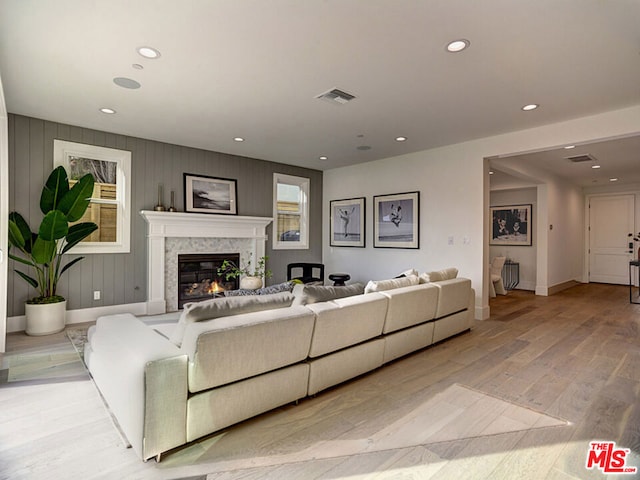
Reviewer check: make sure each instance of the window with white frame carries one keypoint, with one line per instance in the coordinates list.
(290, 212)
(110, 205)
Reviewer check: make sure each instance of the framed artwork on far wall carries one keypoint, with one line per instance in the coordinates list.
(203, 194)
(347, 222)
(511, 225)
(396, 222)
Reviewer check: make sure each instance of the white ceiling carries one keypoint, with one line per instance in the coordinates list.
(610, 162)
(252, 68)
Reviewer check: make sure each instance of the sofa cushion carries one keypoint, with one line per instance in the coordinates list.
(409, 306)
(308, 294)
(381, 285)
(348, 321)
(439, 275)
(229, 349)
(226, 306)
(280, 287)
(453, 296)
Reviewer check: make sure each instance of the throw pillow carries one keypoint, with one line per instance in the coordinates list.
(307, 294)
(227, 306)
(407, 273)
(439, 275)
(380, 285)
(280, 287)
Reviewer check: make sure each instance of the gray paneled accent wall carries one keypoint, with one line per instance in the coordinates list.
(121, 278)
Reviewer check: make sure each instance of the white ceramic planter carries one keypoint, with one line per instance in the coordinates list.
(45, 319)
(251, 283)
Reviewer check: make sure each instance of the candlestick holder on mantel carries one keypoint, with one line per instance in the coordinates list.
(172, 207)
(159, 207)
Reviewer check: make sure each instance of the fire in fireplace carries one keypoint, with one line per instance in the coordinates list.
(198, 277)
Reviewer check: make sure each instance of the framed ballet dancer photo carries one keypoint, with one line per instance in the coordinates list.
(347, 222)
(396, 220)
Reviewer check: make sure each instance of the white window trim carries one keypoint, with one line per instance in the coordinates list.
(62, 150)
(304, 185)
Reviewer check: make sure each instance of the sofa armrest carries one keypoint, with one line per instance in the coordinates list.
(143, 378)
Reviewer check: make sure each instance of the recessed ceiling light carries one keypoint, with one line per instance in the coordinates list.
(595, 166)
(569, 147)
(323, 157)
(458, 45)
(531, 106)
(126, 83)
(107, 110)
(401, 139)
(238, 139)
(137, 66)
(148, 52)
(613, 179)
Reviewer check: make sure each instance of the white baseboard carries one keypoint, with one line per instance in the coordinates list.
(481, 313)
(83, 315)
(530, 286)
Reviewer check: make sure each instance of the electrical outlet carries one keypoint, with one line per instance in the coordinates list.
(96, 294)
(450, 240)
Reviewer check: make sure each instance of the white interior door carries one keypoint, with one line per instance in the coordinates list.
(611, 219)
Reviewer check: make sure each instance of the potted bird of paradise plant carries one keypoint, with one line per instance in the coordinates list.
(43, 250)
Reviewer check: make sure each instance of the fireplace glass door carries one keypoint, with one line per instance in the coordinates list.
(198, 278)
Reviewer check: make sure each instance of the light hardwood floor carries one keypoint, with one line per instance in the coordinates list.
(573, 356)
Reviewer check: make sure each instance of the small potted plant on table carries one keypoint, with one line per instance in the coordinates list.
(43, 250)
(250, 278)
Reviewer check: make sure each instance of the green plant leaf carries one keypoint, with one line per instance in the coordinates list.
(15, 235)
(30, 280)
(21, 260)
(69, 265)
(44, 251)
(25, 231)
(54, 226)
(54, 190)
(77, 233)
(75, 201)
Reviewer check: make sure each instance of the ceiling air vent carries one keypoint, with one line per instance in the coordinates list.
(336, 96)
(581, 158)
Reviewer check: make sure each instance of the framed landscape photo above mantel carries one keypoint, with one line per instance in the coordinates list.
(511, 225)
(203, 194)
(396, 220)
(347, 223)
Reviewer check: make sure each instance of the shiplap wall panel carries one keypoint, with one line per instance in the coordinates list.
(121, 278)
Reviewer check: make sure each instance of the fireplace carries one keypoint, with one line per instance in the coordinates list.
(170, 234)
(198, 277)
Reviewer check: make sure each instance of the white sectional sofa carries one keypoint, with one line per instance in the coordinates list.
(230, 359)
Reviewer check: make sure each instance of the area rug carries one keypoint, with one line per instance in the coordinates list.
(77, 337)
(457, 413)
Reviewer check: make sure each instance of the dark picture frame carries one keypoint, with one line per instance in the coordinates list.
(347, 222)
(511, 225)
(204, 194)
(396, 220)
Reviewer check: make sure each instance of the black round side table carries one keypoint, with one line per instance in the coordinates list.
(339, 279)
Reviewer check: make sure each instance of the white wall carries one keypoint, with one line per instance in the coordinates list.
(524, 255)
(453, 182)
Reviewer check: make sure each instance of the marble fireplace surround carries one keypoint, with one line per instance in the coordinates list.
(172, 233)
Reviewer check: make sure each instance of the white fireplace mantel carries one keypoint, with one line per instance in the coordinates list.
(163, 225)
